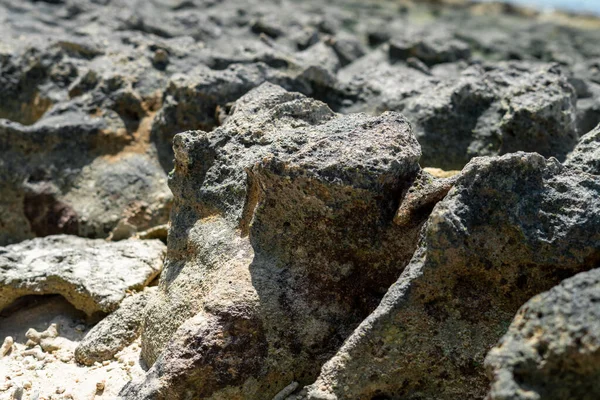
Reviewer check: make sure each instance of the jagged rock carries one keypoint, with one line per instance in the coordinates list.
(497, 110)
(551, 348)
(94, 91)
(348, 48)
(114, 332)
(250, 198)
(128, 76)
(510, 228)
(191, 100)
(83, 165)
(489, 109)
(93, 275)
(586, 155)
(433, 48)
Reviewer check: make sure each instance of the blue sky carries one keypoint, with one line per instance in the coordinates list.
(572, 5)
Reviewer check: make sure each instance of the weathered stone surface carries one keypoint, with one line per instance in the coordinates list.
(552, 348)
(291, 221)
(250, 198)
(488, 109)
(114, 332)
(91, 274)
(86, 123)
(86, 164)
(510, 228)
(586, 155)
(431, 48)
(128, 76)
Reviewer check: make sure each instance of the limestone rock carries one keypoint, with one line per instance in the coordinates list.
(586, 155)
(510, 228)
(91, 274)
(114, 332)
(432, 48)
(552, 346)
(261, 303)
(484, 110)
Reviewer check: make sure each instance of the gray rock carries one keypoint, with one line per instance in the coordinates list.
(83, 165)
(435, 47)
(551, 348)
(586, 155)
(130, 75)
(114, 332)
(250, 198)
(510, 228)
(93, 275)
(489, 109)
(191, 101)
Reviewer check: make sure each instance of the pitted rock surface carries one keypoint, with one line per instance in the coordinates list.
(91, 274)
(551, 348)
(282, 170)
(586, 155)
(511, 227)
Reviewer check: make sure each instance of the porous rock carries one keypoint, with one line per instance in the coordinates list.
(91, 274)
(114, 332)
(510, 228)
(483, 110)
(261, 303)
(552, 347)
(586, 155)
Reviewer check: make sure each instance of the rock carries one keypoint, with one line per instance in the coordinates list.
(511, 227)
(47, 341)
(158, 232)
(551, 348)
(37, 337)
(586, 155)
(114, 332)
(91, 274)
(79, 165)
(432, 48)
(250, 197)
(38, 351)
(93, 92)
(6, 346)
(503, 109)
(422, 196)
(348, 48)
(460, 111)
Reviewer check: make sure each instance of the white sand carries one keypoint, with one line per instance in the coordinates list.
(56, 375)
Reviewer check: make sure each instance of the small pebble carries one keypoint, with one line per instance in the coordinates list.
(105, 363)
(100, 385)
(27, 385)
(60, 390)
(161, 56)
(6, 346)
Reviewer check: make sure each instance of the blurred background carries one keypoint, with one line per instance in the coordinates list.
(586, 6)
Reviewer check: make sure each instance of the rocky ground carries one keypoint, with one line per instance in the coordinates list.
(298, 200)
